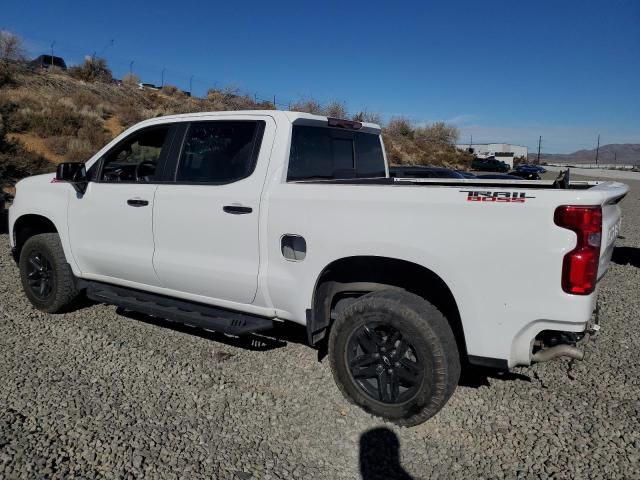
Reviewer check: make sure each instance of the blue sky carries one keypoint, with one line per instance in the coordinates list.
(499, 70)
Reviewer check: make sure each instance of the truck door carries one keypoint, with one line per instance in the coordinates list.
(110, 227)
(206, 221)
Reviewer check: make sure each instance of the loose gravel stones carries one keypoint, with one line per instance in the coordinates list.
(100, 394)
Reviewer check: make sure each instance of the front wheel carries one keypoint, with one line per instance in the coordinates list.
(46, 276)
(395, 355)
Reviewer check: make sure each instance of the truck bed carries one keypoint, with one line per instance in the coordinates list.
(453, 182)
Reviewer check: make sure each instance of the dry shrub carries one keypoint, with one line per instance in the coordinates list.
(79, 150)
(265, 105)
(16, 162)
(170, 90)
(131, 80)
(400, 127)
(370, 117)
(57, 145)
(128, 115)
(93, 69)
(336, 109)
(308, 106)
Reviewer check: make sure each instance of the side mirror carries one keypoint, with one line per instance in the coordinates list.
(74, 173)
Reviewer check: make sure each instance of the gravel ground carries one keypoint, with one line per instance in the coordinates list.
(97, 394)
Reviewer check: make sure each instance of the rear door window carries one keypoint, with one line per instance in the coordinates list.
(219, 152)
(331, 153)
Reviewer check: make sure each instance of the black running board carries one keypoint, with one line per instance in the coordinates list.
(173, 309)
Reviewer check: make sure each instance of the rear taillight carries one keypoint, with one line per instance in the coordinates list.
(580, 265)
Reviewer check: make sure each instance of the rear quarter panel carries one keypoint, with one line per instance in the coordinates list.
(502, 261)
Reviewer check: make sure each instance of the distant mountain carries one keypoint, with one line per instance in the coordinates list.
(622, 153)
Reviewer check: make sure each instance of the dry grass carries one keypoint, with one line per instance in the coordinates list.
(59, 117)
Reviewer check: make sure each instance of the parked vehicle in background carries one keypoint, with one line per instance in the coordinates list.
(46, 61)
(419, 171)
(527, 167)
(489, 165)
(236, 221)
(498, 176)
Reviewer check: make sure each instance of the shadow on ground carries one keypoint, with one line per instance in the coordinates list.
(4, 222)
(476, 377)
(278, 337)
(380, 456)
(626, 256)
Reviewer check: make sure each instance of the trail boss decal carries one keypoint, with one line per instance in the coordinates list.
(502, 197)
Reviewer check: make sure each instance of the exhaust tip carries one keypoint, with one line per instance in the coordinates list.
(558, 351)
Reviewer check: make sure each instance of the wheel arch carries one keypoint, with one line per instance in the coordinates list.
(28, 225)
(350, 277)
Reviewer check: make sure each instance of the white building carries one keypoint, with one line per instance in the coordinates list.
(502, 151)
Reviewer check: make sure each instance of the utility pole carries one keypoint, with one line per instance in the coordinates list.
(131, 68)
(598, 149)
(191, 85)
(52, 45)
(539, 143)
(162, 78)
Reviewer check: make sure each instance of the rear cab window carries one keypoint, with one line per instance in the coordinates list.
(322, 152)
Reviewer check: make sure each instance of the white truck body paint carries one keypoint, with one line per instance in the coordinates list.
(506, 291)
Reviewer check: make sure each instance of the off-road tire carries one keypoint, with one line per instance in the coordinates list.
(431, 338)
(63, 286)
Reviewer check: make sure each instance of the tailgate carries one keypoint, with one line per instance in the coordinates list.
(612, 194)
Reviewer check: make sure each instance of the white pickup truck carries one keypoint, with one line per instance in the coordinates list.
(232, 221)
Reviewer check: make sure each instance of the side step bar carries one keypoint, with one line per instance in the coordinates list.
(173, 309)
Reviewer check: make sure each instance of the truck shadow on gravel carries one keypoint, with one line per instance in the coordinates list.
(278, 337)
(475, 377)
(626, 256)
(283, 334)
(380, 456)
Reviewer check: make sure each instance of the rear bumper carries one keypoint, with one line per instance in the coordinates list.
(572, 340)
(548, 341)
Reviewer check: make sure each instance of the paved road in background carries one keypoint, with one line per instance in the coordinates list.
(600, 174)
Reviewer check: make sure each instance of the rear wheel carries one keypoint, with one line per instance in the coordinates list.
(394, 354)
(46, 276)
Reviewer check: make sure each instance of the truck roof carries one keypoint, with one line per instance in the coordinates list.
(283, 115)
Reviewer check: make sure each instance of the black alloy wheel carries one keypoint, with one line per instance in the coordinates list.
(40, 275)
(384, 364)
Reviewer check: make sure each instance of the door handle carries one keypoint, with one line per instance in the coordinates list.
(237, 209)
(137, 202)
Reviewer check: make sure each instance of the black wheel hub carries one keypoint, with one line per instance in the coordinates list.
(384, 364)
(40, 275)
